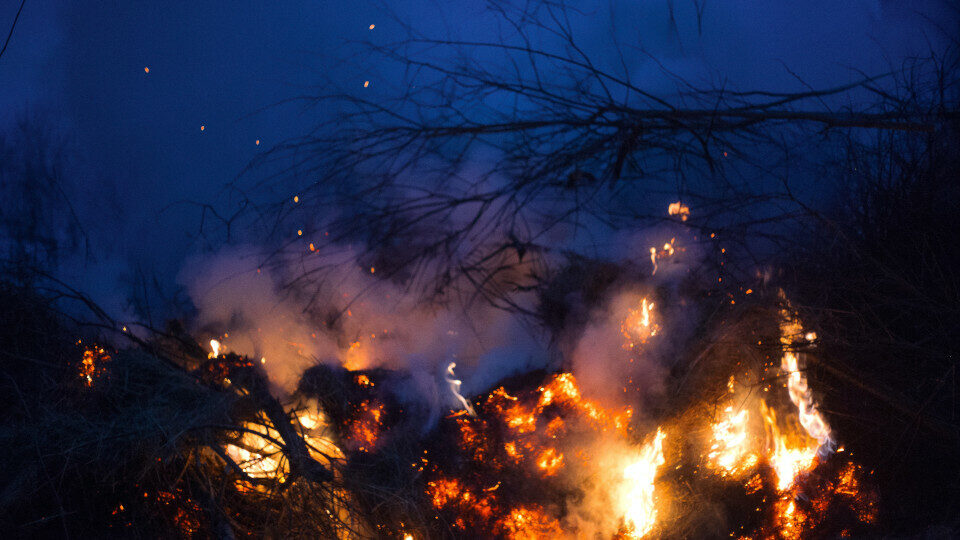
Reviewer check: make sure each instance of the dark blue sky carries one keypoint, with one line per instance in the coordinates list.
(136, 136)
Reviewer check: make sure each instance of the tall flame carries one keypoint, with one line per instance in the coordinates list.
(800, 393)
(788, 457)
(640, 514)
(730, 452)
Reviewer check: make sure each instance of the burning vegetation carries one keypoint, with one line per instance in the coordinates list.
(738, 447)
(425, 348)
(537, 455)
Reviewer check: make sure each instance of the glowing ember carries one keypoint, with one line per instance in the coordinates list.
(364, 428)
(837, 491)
(667, 251)
(92, 366)
(550, 436)
(529, 523)
(550, 461)
(679, 209)
(443, 491)
(184, 511)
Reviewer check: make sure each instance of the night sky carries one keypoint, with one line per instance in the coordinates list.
(129, 85)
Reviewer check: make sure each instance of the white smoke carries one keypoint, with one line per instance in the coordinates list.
(378, 324)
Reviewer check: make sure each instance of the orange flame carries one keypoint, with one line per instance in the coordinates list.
(679, 209)
(92, 365)
(730, 452)
(788, 456)
(640, 514)
(639, 325)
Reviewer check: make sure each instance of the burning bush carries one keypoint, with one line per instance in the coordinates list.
(203, 445)
(138, 445)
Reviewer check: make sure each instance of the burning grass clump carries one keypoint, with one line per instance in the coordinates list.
(128, 443)
(731, 456)
(95, 455)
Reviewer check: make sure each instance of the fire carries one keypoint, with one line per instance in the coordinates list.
(801, 396)
(529, 523)
(639, 325)
(215, 348)
(549, 435)
(731, 451)
(800, 393)
(640, 512)
(563, 390)
(258, 453)
(679, 209)
(798, 514)
(789, 453)
(667, 251)
(92, 366)
(788, 457)
(814, 485)
(363, 430)
(550, 461)
(357, 356)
